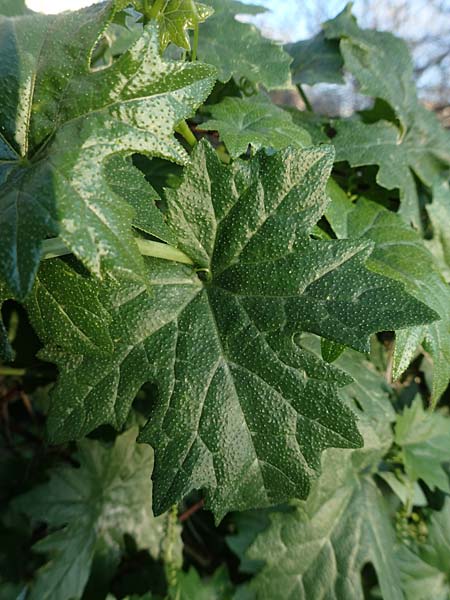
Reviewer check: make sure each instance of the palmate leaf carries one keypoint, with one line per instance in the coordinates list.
(401, 254)
(257, 122)
(319, 547)
(242, 412)
(439, 213)
(89, 509)
(316, 60)
(175, 18)
(68, 121)
(415, 143)
(425, 569)
(424, 439)
(238, 49)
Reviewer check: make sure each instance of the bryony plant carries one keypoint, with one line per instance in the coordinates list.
(206, 273)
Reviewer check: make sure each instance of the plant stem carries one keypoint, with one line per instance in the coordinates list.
(183, 129)
(308, 104)
(164, 251)
(11, 371)
(196, 32)
(156, 9)
(55, 247)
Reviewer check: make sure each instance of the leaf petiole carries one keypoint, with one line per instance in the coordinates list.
(55, 247)
(184, 130)
(156, 9)
(12, 372)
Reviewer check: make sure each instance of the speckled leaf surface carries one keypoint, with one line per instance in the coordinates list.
(129, 183)
(316, 60)
(238, 49)
(177, 17)
(88, 510)
(401, 254)
(243, 413)
(68, 121)
(260, 123)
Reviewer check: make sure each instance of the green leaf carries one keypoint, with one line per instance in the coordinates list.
(89, 509)
(13, 8)
(319, 550)
(421, 151)
(56, 140)
(316, 60)
(439, 213)
(368, 55)
(127, 182)
(191, 587)
(401, 254)
(425, 571)
(230, 379)
(6, 351)
(419, 145)
(177, 17)
(424, 439)
(238, 50)
(64, 308)
(258, 122)
(420, 580)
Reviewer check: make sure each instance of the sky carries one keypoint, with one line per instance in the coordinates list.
(284, 22)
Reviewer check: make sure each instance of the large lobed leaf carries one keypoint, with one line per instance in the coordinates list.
(414, 143)
(242, 412)
(256, 122)
(239, 50)
(88, 510)
(60, 122)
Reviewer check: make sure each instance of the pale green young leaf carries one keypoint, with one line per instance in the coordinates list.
(319, 550)
(256, 122)
(239, 50)
(88, 510)
(424, 440)
(242, 412)
(72, 119)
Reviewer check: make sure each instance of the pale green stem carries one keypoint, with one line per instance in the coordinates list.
(156, 9)
(55, 247)
(184, 130)
(12, 372)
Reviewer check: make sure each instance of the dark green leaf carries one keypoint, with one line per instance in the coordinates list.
(257, 122)
(129, 183)
(89, 509)
(400, 253)
(238, 50)
(229, 377)
(316, 60)
(191, 587)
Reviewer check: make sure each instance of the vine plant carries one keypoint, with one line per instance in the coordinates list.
(236, 309)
